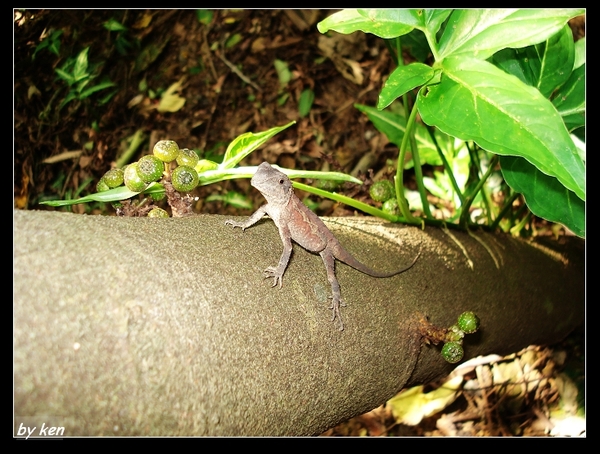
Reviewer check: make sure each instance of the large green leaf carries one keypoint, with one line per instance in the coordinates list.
(569, 100)
(545, 66)
(402, 80)
(477, 101)
(349, 21)
(480, 33)
(556, 56)
(423, 19)
(385, 23)
(545, 196)
(580, 53)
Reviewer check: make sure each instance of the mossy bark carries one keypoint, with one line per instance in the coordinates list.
(137, 326)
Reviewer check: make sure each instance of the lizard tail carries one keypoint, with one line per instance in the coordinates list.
(354, 263)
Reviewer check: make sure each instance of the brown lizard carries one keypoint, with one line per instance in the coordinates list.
(296, 222)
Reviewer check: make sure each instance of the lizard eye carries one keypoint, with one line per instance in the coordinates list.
(281, 181)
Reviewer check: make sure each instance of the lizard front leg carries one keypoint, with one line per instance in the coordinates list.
(253, 219)
(336, 297)
(277, 272)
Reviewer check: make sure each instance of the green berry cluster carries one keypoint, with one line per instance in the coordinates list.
(137, 176)
(467, 323)
(384, 191)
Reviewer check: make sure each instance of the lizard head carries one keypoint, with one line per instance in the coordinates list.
(274, 185)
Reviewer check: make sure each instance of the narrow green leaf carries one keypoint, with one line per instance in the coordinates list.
(54, 46)
(70, 97)
(112, 195)
(101, 86)
(65, 76)
(45, 43)
(106, 97)
(402, 80)
(477, 101)
(214, 176)
(81, 65)
(81, 85)
(545, 196)
(283, 72)
(482, 32)
(114, 26)
(305, 102)
(52, 43)
(233, 40)
(394, 126)
(204, 16)
(243, 145)
(149, 54)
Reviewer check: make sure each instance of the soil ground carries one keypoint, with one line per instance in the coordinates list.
(220, 102)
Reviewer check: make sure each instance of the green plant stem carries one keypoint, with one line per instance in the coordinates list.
(485, 196)
(413, 145)
(399, 180)
(464, 215)
(505, 210)
(418, 169)
(394, 53)
(522, 223)
(433, 45)
(447, 167)
(350, 202)
(137, 140)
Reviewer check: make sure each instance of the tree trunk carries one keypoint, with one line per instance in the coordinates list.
(138, 326)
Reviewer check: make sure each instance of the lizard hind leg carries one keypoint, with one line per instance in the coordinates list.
(336, 296)
(335, 308)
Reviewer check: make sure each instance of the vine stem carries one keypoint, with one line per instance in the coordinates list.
(399, 180)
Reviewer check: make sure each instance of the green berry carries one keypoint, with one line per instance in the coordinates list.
(166, 150)
(391, 206)
(468, 322)
(382, 190)
(150, 168)
(158, 213)
(102, 186)
(184, 178)
(452, 352)
(113, 178)
(187, 157)
(158, 196)
(132, 178)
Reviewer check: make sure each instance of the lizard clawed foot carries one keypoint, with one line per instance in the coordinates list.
(335, 308)
(234, 224)
(276, 275)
